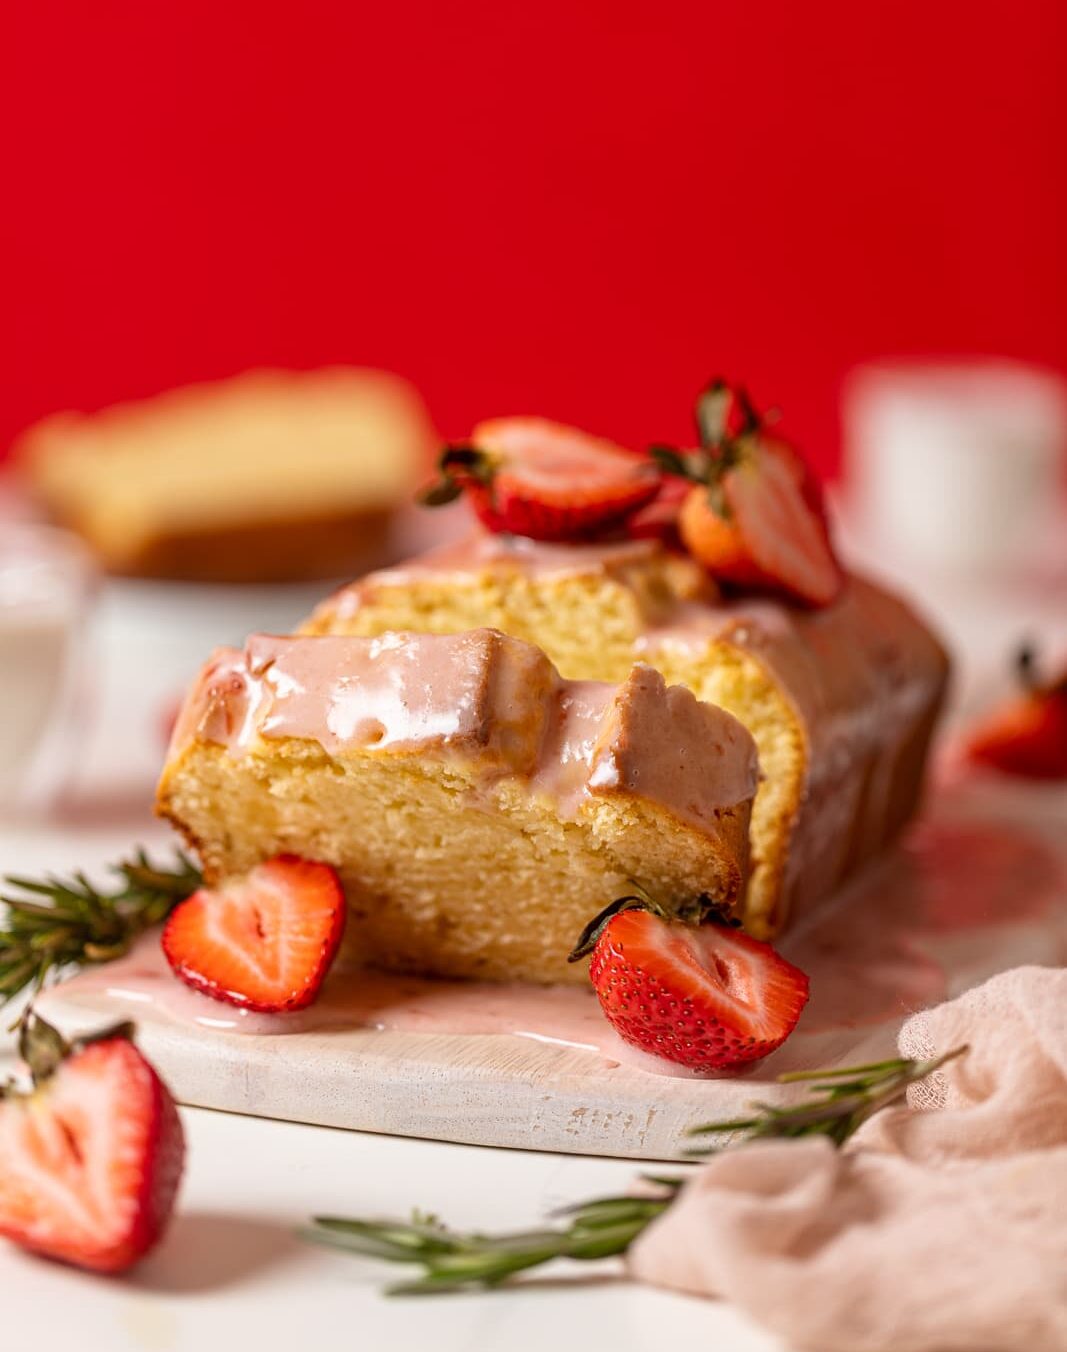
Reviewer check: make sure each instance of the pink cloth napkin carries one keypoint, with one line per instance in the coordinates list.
(941, 1227)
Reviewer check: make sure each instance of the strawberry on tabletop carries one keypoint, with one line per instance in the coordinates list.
(541, 479)
(1026, 736)
(91, 1155)
(754, 515)
(703, 995)
(264, 941)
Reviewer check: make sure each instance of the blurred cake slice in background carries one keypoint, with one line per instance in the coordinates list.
(270, 476)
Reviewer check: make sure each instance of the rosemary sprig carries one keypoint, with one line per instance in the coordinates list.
(55, 923)
(450, 1259)
(841, 1102)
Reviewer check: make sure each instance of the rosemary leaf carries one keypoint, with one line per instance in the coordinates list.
(49, 925)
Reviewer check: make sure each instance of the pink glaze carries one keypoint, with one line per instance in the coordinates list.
(864, 675)
(870, 951)
(863, 668)
(391, 692)
(142, 985)
(573, 732)
(567, 1016)
(848, 668)
(493, 701)
(480, 551)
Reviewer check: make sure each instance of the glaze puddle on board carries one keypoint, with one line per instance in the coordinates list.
(864, 952)
(360, 998)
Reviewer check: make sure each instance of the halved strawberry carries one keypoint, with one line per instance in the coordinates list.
(1027, 736)
(91, 1156)
(705, 996)
(529, 476)
(264, 941)
(757, 517)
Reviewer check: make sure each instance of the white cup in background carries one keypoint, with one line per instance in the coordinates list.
(47, 584)
(958, 467)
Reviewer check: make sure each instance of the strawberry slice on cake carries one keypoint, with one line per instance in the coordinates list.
(755, 515)
(541, 479)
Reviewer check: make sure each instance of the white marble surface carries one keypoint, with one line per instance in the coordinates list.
(233, 1272)
(233, 1275)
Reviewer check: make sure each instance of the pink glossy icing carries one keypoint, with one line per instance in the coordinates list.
(864, 677)
(864, 666)
(384, 692)
(492, 700)
(573, 732)
(480, 551)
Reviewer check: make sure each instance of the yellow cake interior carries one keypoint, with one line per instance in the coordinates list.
(593, 627)
(481, 853)
(434, 884)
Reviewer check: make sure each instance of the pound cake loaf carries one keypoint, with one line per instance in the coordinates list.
(479, 808)
(841, 701)
(270, 476)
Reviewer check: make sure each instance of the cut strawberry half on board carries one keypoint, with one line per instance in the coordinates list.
(532, 477)
(264, 941)
(1027, 736)
(705, 996)
(91, 1155)
(756, 517)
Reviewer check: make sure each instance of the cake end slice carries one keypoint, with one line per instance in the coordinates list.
(478, 808)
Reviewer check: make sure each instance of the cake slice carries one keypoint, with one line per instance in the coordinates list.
(270, 476)
(587, 605)
(841, 701)
(479, 809)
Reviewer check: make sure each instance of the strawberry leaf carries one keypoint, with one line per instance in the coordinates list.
(724, 413)
(701, 910)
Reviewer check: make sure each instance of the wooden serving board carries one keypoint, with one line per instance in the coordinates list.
(978, 887)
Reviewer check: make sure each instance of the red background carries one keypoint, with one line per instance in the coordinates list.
(577, 207)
